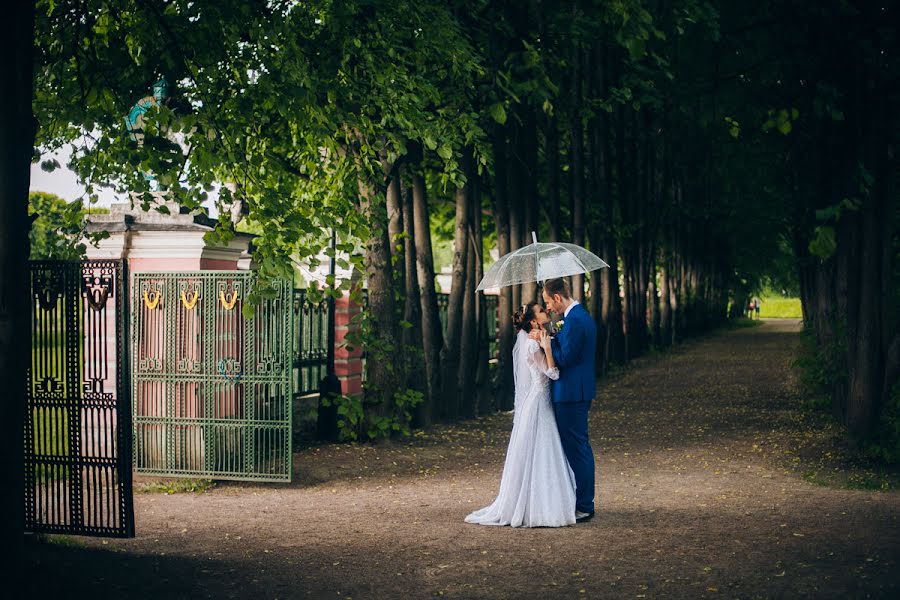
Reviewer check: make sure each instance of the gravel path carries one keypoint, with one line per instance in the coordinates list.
(704, 460)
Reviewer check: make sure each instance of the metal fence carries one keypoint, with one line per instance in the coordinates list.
(211, 386)
(490, 304)
(77, 417)
(311, 340)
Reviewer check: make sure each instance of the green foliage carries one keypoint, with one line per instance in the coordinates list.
(175, 486)
(298, 107)
(356, 421)
(290, 103)
(350, 415)
(57, 228)
(781, 120)
(405, 401)
(821, 369)
(885, 444)
(824, 239)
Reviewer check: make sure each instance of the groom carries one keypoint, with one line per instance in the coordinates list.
(573, 350)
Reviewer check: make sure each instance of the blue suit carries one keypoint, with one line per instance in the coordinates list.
(573, 350)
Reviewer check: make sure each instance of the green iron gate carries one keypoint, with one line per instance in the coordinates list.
(77, 416)
(211, 387)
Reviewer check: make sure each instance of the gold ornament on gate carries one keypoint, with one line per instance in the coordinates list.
(151, 300)
(190, 304)
(228, 302)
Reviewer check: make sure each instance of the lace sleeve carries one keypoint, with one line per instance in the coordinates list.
(538, 361)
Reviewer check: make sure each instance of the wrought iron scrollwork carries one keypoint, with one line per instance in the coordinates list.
(229, 292)
(230, 369)
(97, 287)
(189, 293)
(47, 285)
(203, 406)
(78, 408)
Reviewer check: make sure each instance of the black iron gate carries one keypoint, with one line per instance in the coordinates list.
(78, 413)
(313, 335)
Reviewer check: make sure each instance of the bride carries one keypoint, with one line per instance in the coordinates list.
(537, 488)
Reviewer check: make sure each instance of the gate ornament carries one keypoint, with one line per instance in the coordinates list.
(190, 304)
(234, 366)
(97, 289)
(151, 300)
(228, 303)
(48, 286)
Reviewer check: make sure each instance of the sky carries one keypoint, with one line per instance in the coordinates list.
(64, 183)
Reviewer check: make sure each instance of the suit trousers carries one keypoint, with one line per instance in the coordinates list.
(572, 422)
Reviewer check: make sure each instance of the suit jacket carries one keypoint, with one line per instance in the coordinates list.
(574, 348)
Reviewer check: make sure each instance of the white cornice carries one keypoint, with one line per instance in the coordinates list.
(165, 244)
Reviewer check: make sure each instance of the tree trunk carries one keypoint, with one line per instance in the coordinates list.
(624, 186)
(551, 151)
(381, 380)
(395, 231)
(576, 128)
(450, 356)
(595, 299)
(528, 150)
(505, 300)
(483, 375)
(432, 336)
(412, 313)
(634, 305)
(866, 362)
(468, 348)
(653, 309)
(597, 220)
(665, 302)
(891, 368)
(16, 145)
(515, 204)
(611, 308)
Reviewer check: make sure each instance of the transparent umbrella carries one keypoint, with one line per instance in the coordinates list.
(540, 262)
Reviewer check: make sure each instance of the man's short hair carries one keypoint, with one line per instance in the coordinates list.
(557, 286)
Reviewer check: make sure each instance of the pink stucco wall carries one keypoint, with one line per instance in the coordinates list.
(143, 265)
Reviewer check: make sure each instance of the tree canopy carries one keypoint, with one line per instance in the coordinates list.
(703, 148)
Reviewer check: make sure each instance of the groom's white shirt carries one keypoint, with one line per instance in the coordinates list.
(570, 307)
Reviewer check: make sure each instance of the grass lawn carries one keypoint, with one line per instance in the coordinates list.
(778, 307)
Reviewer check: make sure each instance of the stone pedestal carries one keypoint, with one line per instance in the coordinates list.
(152, 241)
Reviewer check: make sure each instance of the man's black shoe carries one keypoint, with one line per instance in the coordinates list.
(581, 517)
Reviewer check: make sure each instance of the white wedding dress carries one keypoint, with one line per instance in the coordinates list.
(537, 488)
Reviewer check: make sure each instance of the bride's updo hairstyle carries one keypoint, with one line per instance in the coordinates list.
(522, 318)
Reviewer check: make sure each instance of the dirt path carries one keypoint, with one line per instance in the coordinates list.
(701, 456)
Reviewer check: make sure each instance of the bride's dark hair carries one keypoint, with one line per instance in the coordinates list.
(523, 317)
